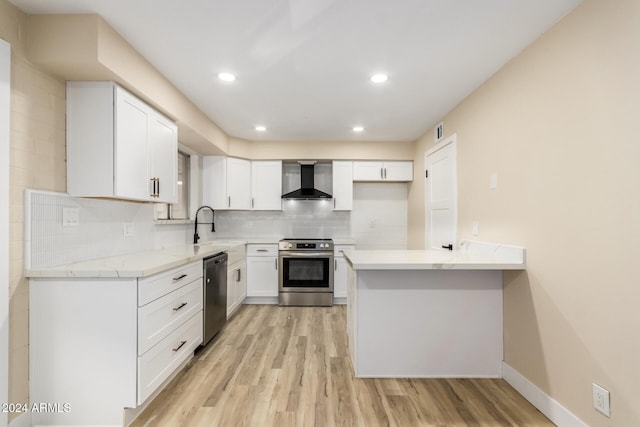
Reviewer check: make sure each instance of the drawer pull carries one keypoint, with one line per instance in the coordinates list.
(262, 250)
(180, 346)
(179, 307)
(180, 277)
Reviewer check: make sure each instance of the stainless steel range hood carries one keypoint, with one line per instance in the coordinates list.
(307, 190)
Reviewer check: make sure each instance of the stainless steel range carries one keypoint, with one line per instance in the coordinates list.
(306, 272)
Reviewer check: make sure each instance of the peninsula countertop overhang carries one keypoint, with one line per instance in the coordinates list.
(471, 255)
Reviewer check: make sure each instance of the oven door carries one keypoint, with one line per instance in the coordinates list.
(305, 271)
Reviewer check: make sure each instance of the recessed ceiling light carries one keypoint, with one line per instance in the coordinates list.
(226, 77)
(261, 128)
(379, 78)
(358, 129)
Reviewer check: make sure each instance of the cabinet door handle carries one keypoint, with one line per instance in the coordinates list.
(276, 263)
(182, 276)
(180, 346)
(179, 307)
(252, 203)
(238, 275)
(152, 187)
(228, 201)
(385, 173)
(335, 265)
(381, 174)
(158, 187)
(334, 203)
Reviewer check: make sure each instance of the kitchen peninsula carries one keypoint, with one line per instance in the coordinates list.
(428, 313)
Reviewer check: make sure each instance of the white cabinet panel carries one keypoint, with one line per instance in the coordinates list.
(163, 149)
(157, 319)
(130, 147)
(342, 186)
(373, 171)
(262, 276)
(398, 171)
(226, 183)
(262, 270)
(158, 364)
(118, 146)
(238, 183)
(236, 286)
(367, 171)
(266, 185)
(153, 287)
(341, 271)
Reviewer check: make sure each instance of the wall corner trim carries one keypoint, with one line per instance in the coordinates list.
(553, 410)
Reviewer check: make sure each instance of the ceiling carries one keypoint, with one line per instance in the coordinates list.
(303, 66)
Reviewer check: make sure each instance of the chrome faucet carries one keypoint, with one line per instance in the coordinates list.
(196, 237)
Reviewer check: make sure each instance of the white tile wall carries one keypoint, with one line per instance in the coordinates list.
(378, 221)
(99, 234)
(379, 216)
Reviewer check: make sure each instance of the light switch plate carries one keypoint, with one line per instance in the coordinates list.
(493, 181)
(70, 217)
(476, 228)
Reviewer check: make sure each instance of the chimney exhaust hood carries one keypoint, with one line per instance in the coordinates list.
(307, 190)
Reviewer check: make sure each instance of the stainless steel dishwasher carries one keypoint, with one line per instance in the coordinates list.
(215, 295)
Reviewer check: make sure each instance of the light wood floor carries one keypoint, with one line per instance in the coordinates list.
(289, 366)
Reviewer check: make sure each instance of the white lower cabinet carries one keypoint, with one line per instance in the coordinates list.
(341, 271)
(157, 364)
(262, 270)
(111, 342)
(236, 279)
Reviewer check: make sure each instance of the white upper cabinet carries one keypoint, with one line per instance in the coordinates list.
(163, 154)
(226, 183)
(266, 185)
(118, 146)
(342, 185)
(392, 171)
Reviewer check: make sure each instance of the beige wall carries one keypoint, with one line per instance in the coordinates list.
(560, 125)
(321, 150)
(37, 150)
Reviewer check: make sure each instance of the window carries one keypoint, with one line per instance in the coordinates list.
(180, 209)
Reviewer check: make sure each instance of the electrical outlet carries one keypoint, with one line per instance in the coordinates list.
(127, 229)
(601, 399)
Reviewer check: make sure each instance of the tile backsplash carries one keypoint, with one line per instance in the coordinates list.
(378, 221)
(99, 232)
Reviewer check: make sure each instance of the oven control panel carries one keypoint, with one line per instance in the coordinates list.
(306, 245)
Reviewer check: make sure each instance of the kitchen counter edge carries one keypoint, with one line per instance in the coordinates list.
(134, 265)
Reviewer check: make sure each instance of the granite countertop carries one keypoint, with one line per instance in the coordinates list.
(470, 256)
(140, 264)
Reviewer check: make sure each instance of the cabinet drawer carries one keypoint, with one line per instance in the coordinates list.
(153, 287)
(236, 254)
(158, 364)
(160, 317)
(262, 250)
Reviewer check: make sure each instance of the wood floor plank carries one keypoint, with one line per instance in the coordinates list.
(290, 366)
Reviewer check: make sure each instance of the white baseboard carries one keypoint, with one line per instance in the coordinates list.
(553, 410)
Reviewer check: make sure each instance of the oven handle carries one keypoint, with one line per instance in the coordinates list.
(306, 254)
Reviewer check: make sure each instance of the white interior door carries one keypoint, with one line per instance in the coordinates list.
(441, 195)
(5, 93)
